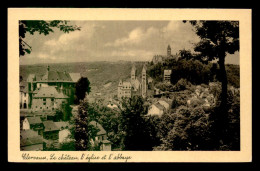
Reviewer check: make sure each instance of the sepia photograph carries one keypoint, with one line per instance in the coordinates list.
(129, 85)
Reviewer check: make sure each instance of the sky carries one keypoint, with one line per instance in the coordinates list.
(113, 41)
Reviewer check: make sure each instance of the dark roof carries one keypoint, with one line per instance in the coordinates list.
(49, 126)
(30, 137)
(57, 76)
(49, 92)
(102, 131)
(34, 120)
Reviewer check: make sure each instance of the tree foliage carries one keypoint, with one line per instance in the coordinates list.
(83, 131)
(217, 39)
(82, 87)
(42, 27)
(138, 130)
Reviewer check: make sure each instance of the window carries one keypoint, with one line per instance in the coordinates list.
(40, 107)
(44, 101)
(52, 99)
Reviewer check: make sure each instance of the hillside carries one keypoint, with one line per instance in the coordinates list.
(103, 76)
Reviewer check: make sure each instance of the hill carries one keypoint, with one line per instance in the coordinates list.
(103, 76)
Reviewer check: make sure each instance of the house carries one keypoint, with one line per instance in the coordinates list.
(47, 99)
(156, 109)
(30, 141)
(64, 131)
(51, 131)
(101, 137)
(101, 134)
(33, 123)
(165, 104)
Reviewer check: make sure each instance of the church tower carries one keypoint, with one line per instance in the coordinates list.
(144, 86)
(169, 51)
(133, 74)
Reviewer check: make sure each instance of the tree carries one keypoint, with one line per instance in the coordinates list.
(83, 131)
(186, 54)
(138, 130)
(217, 39)
(82, 87)
(42, 27)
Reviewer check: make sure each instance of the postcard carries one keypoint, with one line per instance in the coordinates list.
(129, 85)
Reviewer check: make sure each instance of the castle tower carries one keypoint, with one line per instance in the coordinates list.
(144, 86)
(169, 51)
(133, 74)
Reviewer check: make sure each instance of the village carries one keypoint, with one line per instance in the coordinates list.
(42, 96)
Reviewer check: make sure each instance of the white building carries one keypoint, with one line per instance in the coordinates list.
(156, 109)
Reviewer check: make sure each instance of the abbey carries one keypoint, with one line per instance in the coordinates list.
(135, 86)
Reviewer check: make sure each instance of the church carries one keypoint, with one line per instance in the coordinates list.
(135, 86)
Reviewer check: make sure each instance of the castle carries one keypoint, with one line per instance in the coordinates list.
(136, 86)
(49, 91)
(161, 58)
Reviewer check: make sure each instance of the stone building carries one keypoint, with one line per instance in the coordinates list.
(136, 85)
(47, 99)
(63, 81)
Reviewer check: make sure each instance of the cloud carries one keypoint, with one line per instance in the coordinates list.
(70, 41)
(106, 41)
(155, 39)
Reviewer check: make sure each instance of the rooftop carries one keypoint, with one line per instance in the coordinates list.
(49, 92)
(102, 131)
(50, 126)
(30, 137)
(34, 120)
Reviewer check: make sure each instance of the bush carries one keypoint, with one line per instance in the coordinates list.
(182, 84)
